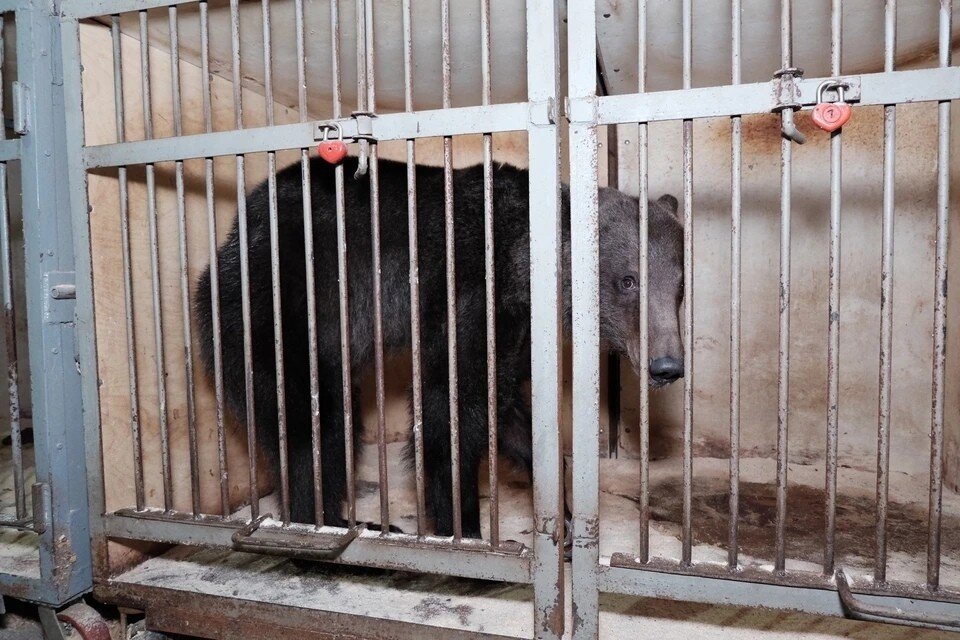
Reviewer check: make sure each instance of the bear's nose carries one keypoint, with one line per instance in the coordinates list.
(666, 369)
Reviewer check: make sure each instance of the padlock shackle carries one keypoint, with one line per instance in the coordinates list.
(831, 84)
(332, 125)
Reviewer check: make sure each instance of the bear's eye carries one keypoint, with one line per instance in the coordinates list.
(628, 283)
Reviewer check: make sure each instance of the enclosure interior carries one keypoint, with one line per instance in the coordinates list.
(860, 288)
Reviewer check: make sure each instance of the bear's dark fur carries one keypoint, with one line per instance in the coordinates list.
(618, 300)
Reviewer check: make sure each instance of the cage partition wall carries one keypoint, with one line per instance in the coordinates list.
(809, 459)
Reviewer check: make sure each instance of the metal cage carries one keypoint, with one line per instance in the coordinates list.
(640, 571)
(251, 527)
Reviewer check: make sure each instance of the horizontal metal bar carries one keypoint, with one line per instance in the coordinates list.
(897, 87)
(823, 600)
(10, 150)
(393, 126)
(370, 548)
(804, 579)
(80, 9)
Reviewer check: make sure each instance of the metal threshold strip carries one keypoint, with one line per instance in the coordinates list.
(509, 562)
(896, 602)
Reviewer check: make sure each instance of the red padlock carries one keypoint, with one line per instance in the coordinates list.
(332, 151)
(830, 116)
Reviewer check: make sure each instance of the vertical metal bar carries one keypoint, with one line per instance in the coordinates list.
(886, 302)
(275, 269)
(136, 435)
(412, 231)
(92, 555)
(492, 442)
(361, 77)
(940, 308)
(236, 76)
(10, 322)
(585, 277)
(155, 270)
(310, 274)
(58, 392)
(267, 61)
(371, 105)
(451, 279)
(184, 275)
(644, 230)
(278, 337)
(301, 60)
(244, 269)
(214, 268)
(10, 339)
(687, 529)
(343, 274)
(833, 340)
(783, 372)
(251, 421)
(546, 299)
(736, 159)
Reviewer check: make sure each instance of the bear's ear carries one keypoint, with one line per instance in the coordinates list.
(669, 203)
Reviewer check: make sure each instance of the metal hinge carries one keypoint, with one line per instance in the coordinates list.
(21, 107)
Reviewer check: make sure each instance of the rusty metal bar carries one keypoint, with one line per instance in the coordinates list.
(251, 422)
(309, 270)
(833, 330)
(236, 71)
(485, 70)
(783, 356)
(278, 336)
(301, 59)
(214, 267)
(886, 301)
(277, 296)
(940, 309)
(451, 280)
(268, 104)
(127, 272)
(345, 364)
(412, 231)
(10, 340)
(686, 525)
(736, 161)
(10, 323)
(369, 60)
(184, 275)
(155, 270)
(643, 168)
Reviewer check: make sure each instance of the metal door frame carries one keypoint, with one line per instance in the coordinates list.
(60, 517)
(543, 565)
(731, 583)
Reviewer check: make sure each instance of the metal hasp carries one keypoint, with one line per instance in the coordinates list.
(60, 517)
(786, 95)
